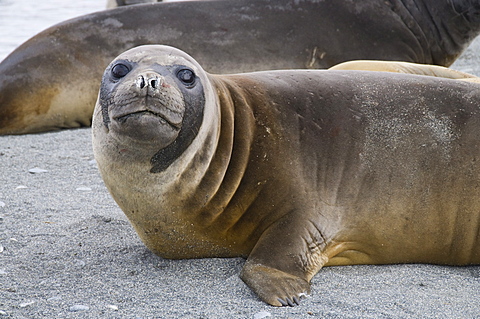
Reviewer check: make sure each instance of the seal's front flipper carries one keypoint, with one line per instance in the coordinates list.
(274, 286)
(287, 255)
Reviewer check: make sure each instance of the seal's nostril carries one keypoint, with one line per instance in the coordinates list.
(154, 83)
(149, 81)
(141, 82)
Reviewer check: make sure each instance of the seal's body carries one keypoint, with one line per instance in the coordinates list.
(51, 81)
(293, 169)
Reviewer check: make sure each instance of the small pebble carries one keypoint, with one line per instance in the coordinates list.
(21, 187)
(3, 313)
(113, 307)
(37, 170)
(262, 314)
(1, 249)
(84, 189)
(92, 162)
(2, 204)
(26, 304)
(56, 298)
(76, 308)
(3, 271)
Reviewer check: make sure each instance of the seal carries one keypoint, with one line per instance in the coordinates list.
(405, 67)
(51, 81)
(294, 170)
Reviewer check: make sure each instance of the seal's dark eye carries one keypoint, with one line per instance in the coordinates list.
(186, 76)
(120, 70)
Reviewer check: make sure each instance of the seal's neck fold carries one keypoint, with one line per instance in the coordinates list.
(230, 160)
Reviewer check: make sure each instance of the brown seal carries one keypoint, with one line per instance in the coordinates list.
(295, 170)
(404, 67)
(51, 81)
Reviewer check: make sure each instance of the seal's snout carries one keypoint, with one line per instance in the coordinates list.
(149, 81)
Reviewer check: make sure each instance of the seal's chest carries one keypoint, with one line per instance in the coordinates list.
(172, 239)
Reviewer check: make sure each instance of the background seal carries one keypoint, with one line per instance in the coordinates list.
(51, 81)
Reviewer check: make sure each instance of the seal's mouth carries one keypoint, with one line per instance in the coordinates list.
(123, 118)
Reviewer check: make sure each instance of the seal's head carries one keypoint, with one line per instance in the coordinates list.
(152, 99)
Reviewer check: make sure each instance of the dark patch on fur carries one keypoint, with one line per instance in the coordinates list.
(192, 121)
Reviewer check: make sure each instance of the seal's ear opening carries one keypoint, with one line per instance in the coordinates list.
(194, 97)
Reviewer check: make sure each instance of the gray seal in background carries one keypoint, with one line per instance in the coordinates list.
(51, 81)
